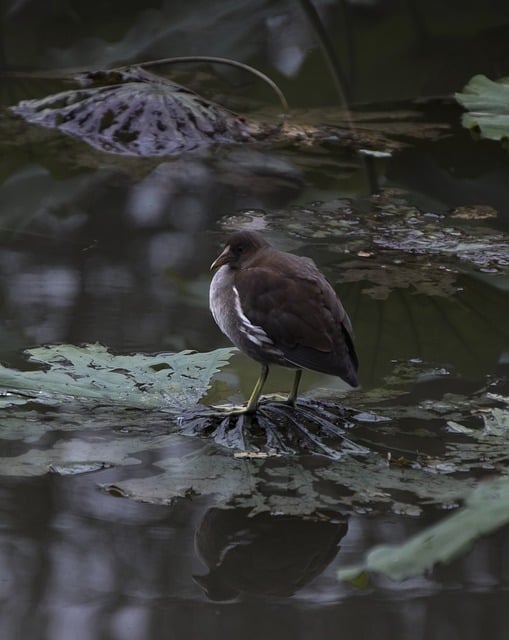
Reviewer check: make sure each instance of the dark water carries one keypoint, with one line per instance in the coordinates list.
(75, 561)
(117, 252)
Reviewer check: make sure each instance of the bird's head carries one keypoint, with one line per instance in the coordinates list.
(239, 248)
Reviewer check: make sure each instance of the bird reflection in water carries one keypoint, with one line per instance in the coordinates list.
(264, 554)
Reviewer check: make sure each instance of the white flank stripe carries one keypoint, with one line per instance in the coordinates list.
(254, 333)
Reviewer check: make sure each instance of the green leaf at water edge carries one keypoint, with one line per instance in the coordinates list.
(487, 103)
(486, 509)
(171, 382)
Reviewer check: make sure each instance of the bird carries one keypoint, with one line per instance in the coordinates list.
(278, 308)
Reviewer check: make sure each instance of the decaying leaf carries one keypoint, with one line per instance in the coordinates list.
(134, 112)
(131, 111)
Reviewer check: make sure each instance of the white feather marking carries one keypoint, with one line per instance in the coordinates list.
(253, 332)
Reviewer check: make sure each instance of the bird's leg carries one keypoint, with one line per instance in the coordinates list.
(292, 396)
(252, 404)
(255, 395)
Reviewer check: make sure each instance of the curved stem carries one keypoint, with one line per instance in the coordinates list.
(215, 60)
(63, 74)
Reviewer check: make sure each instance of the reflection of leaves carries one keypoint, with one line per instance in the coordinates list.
(488, 106)
(486, 509)
(478, 428)
(134, 112)
(34, 443)
(90, 373)
(496, 421)
(435, 328)
(398, 225)
(475, 212)
(418, 275)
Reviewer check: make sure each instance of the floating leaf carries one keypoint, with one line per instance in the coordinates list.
(486, 509)
(134, 112)
(420, 245)
(335, 457)
(487, 103)
(91, 373)
(290, 485)
(79, 442)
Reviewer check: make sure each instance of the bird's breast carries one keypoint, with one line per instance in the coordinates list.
(221, 299)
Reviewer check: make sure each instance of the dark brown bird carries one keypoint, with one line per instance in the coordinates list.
(277, 308)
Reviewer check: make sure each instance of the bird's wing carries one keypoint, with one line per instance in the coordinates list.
(290, 310)
(300, 312)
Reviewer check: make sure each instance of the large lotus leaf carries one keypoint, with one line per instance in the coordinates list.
(487, 103)
(71, 438)
(136, 113)
(171, 382)
(486, 509)
(34, 443)
(299, 485)
(65, 442)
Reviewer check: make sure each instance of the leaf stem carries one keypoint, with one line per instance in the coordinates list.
(214, 60)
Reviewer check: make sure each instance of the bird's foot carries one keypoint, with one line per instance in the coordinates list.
(235, 410)
(232, 409)
(274, 397)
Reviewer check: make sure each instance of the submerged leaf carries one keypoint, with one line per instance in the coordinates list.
(291, 485)
(171, 382)
(134, 112)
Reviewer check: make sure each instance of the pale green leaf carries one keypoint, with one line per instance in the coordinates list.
(486, 509)
(91, 373)
(487, 103)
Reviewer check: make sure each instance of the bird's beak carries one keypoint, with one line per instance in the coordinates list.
(221, 259)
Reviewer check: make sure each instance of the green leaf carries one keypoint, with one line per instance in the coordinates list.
(488, 105)
(486, 509)
(171, 382)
